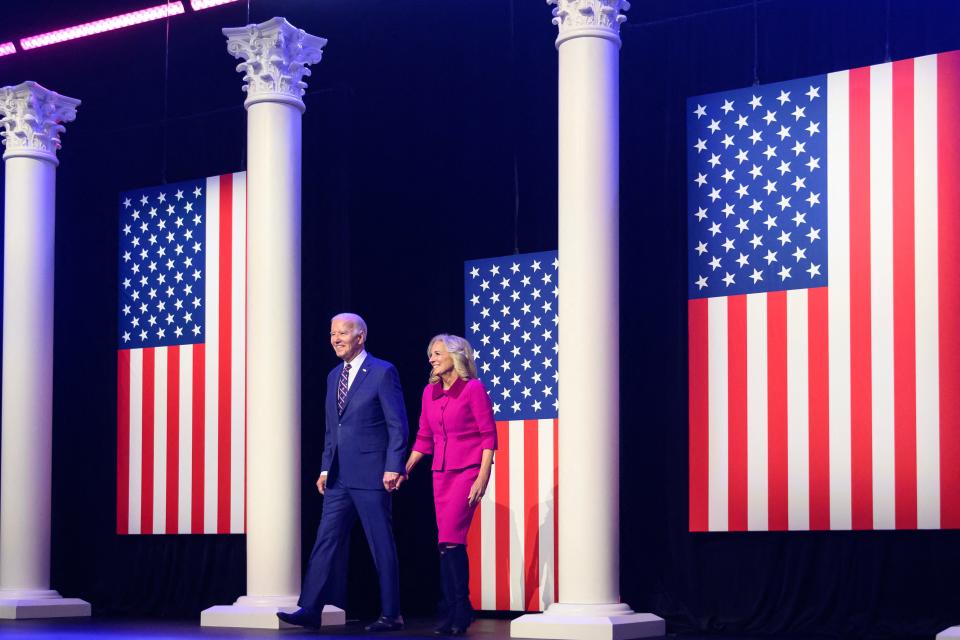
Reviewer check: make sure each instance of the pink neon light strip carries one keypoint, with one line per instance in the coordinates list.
(200, 5)
(100, 26)
(7, 49)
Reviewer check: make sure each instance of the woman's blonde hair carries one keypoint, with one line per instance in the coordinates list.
(461, 352)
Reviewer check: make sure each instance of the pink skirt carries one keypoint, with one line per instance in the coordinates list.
(454, 514)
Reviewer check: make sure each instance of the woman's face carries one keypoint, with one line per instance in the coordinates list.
(440, 358)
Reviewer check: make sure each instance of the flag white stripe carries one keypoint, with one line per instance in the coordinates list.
(718, 384)
(136, 439)
(757, 437)
(185, 461)
(159, 440)
(517, 515)
(238, 344)
(545, 510)
(798, 420)
(926, 292)
(488, 545)
(881, 294)
(210, 327)
(838, 297)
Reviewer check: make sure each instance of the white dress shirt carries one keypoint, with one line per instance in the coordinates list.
(355, 365)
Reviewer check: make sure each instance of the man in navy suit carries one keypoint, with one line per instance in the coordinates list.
(363, 457)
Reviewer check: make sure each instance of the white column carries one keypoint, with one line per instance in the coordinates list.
(31, 117)
(589, 605)
(275, 55)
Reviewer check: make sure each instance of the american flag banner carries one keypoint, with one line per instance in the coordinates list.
(824, 301)
(181, 358)
(512, 323)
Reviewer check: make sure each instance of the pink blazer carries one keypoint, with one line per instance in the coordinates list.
(456, 425)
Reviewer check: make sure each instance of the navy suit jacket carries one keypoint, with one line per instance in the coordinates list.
(371, 435)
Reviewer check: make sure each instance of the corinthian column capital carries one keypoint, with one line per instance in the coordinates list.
(31, 117)
(276, 55)
(594, 18)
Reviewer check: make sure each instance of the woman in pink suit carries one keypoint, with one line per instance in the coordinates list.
(457, 429)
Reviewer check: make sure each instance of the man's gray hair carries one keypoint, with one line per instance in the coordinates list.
(359, 326)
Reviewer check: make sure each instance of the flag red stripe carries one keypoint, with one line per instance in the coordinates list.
(196, 498)
(777, 453)
(737, 413)
(173, 437)
(556, 510)
(818, 372)
(147, 444)
(904, 305)
(502, 469)
(473, 555)
(224, 353)
(699, 408)
(948, 237)
(123, 441)
(531, 514)
(861, 360)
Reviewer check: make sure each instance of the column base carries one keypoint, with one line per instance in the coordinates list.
(588, 622)
(18, 604)
(260, 612)
(952, 632)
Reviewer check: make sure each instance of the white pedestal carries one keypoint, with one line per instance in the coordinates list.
(17, 604)
(952, 632)
(588, 622)
(261, 613)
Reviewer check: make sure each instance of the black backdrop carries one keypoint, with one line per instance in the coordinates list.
(430, 138)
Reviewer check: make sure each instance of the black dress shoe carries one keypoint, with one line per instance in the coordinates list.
(385, 623)
(302, 618)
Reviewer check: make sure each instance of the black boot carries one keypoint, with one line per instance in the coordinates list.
(446, 605)
(460, 574)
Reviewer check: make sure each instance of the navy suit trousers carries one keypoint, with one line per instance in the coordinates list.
(341, 507)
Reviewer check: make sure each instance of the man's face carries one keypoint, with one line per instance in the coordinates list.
(346, 341)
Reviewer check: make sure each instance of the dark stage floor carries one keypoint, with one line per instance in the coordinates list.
(114, 629)
(117, 629)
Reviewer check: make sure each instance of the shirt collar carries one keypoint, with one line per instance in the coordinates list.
(454, 391)
(358, 360)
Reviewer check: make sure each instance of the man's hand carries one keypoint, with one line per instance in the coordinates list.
(391, 480)
(322, 483)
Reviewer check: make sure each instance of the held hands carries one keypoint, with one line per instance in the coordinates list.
(391, 480)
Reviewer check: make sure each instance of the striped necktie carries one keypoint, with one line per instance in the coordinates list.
(342, 388)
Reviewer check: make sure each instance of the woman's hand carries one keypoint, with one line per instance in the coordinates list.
(412, 461)
(478, 489)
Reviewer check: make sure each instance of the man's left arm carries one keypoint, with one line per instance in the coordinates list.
(395, 414)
